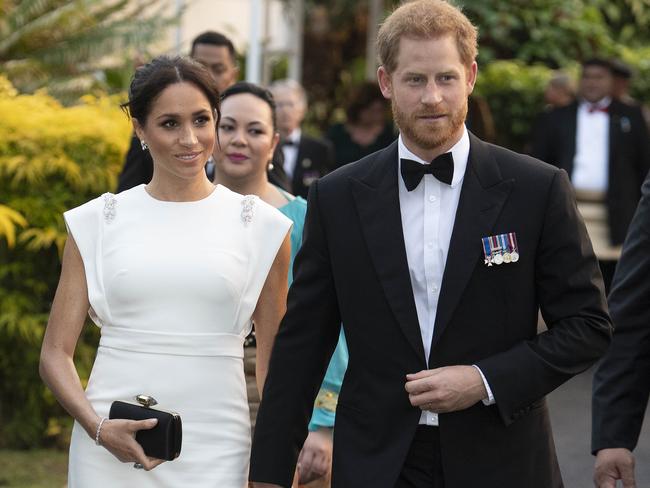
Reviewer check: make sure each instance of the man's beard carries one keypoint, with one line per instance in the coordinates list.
(428, 138)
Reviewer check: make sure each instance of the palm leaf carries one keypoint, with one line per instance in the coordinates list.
(10, 219)
(43, 23)
(39, 239)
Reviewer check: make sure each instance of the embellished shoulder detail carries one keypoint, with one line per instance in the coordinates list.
(109, 207)
(248, 209)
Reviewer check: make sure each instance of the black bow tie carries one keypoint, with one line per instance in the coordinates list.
(441, 167)
(288, 142)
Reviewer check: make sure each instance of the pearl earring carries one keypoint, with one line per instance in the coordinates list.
(144, 145)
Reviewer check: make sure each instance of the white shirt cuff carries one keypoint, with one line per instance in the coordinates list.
(490, 399)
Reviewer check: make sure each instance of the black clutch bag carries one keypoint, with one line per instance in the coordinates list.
(161, 442)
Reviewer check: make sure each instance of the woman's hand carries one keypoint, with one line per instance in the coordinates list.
(315, 458)
(118, 437)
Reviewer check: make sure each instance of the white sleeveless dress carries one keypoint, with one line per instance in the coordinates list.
(173, 286)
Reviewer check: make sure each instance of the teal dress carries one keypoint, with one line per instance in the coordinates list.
(325, 405)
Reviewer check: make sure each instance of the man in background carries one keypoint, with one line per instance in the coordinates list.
(217, 53)
(602, 143)
(306, 158)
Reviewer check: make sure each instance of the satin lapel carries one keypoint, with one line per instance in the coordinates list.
(482, 197)
(377, 201)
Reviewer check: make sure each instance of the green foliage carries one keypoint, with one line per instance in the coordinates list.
(52, 158)
(514, 93)
(64, 44)
(557, 32)
(639, 60)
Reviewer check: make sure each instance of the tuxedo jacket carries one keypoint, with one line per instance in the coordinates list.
(622, 380)
(352, 269)
(315, 159)
(554, 141)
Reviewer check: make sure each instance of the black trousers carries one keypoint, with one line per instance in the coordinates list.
(423, 465)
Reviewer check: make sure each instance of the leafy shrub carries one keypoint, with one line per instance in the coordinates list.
(52, 158)
(514, 93)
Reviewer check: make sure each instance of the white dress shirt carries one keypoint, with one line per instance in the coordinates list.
(591, 162)
(428, 214)
(290, 153)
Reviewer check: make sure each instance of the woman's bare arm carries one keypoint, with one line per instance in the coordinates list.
(57, 368)
(270, 309)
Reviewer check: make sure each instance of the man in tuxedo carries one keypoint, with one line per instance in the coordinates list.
(306, 158)
(217, 53)
(602, 143)
(436, 254)
(622, 380)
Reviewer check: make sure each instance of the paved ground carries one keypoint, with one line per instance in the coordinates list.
(571, 416)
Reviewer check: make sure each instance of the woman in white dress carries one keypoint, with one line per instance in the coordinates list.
(174, 273)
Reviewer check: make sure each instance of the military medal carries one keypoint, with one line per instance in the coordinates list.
(487, 252)
(497, 258)
(512, 240)
(500, 249)
(507, 257)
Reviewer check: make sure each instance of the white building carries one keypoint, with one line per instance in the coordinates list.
(277, 32)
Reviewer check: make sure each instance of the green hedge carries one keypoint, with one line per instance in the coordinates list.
(514, 93)
(52, 158)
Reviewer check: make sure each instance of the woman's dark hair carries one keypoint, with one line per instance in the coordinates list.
(362, 97)
(255, 90)
(150, 80)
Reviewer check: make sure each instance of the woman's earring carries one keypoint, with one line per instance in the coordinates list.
(144, 145)
(270, 167)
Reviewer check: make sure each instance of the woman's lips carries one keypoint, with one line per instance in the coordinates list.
(237, 157)
(188, 157)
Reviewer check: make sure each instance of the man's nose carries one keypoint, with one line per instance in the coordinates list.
(432, 94)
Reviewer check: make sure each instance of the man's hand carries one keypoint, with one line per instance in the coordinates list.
(612, 465)
(316, 456)
(446, 389)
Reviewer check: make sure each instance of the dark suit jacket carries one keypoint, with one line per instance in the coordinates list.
(554, 141)
(315, 159)
(138, 167)
(352, 268)
(622, 381)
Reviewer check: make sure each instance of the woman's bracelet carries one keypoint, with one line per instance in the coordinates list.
(99, 429)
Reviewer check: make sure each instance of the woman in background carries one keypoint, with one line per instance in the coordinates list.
(367, 127)
(248, 137)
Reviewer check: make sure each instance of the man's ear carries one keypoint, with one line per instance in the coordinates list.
(385, 83)
(472, 73)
